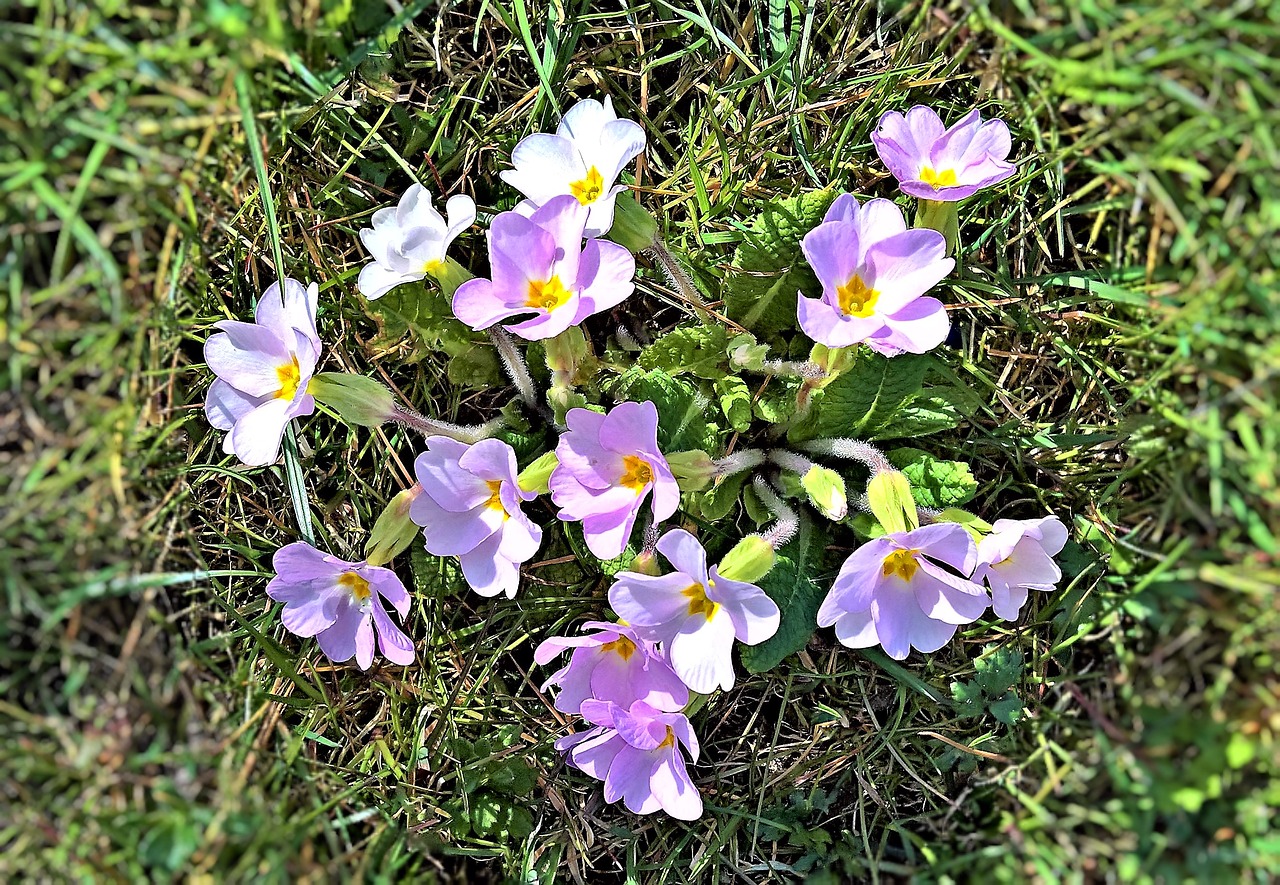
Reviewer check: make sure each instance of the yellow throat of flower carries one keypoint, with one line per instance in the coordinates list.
(698, 602)
(636, 473)
(622, 647)
(588, 189)
(901, 563)
(290, 375)
(430, 267)
(669, 740)
(856, 299)
(494, 501)
(547, 294)
(936, 179)
(357, 586)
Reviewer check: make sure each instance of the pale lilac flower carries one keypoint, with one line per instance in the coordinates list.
(340, 604)
(695, 612)
(874, 273)
(1018, 556)
(893, 591)
(613, 664)
(540, 266)
(636, 753)
(409, 242)
(470, 508)
(946, 165)
(607, 465)
(263, 370)
(583, 160)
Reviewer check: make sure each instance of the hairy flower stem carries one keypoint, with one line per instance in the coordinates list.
(853, 450)
(677, 276)
(431, 427)
(788, 523)
(791, 461)
(738, 462)
(513, 362)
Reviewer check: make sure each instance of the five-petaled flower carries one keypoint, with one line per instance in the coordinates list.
(612, 664)
(409, 242)
(935, 163)
(874, 273)
(607, 465)
(340, 604)
(1018, 556)
(263, 370)
(582, 160)
(540, 266)
(695, 612)
(636, 752)
(893, 592)
(470, 508)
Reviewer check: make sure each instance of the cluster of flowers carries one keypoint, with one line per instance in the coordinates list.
(550, 269)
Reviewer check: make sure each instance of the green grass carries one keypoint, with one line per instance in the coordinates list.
(1118, 319)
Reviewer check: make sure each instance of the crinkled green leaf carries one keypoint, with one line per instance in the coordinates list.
(864, 399)
(769, 266)
(935, 483)
(998, 670)
(697, 350)
(792, 585)
(735, 402)
(924, 414)
(474, 365)
(682, 409)
(422, 310)
(1007, 709)
(717, 502)
(968, 698)
(778, 401)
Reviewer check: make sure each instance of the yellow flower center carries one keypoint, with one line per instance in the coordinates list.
(669, 740)
(698, 602)
(290, 375)
(588, 189)
(547, 294)
(494, 502)
(357, 586)
(935, 179)
(430, 267)
(901, 563)
(622, 647)
(636, 473)
(856, 299)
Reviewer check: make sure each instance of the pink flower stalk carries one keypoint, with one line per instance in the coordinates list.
(540, 266)
(874, 273)
(894, 593)
(1018, 556)
(410, 241)
(613, 664)
(636, 753)
(263, 370)
(935, 163)
(340, 604)
(470, 508)
(607, 465)
(582, 160)
(695, 612)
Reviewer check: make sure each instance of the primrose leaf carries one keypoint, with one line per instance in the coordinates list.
(697, 350)
(924, 414)
(935, 483)
(865, 398)
(682, 408)
(717, 502)
(424, 311)
(968, 697)
(792, 585)
(1007, 709)
(998, 670)
(770, 268)
(735, 402)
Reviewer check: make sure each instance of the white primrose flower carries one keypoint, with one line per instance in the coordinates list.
(409, 242)
(583, 158)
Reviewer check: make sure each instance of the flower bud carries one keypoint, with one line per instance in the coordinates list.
(974, 525)
(826, 492)
(834, 362)
(942, 216)
(750, 560)
(358, 400)
(536, 476)
(633, 227)
(693, 470)
(394, 530)
(746, 354)
(450, 275)
(569, 357)
(890, 501)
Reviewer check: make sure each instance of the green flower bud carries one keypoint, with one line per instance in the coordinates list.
(450, 275)
(745, 353)
(535, 477)
(646, 563)
(569, 358)
(693, 470)
(975, 525)
(944, 217)
(834, 362)
(750, 560)
(889, 497)
(394, 530)
(358, 400)
(826, 492)
(633, 227)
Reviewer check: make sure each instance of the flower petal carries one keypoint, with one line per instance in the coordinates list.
(686, 554)
(396, 646)
(648, 600)
(256, 436)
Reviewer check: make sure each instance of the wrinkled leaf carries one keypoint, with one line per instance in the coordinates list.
(935, 483)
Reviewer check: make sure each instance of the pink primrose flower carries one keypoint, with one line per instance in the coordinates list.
(410, 241)
(263, 370)
(893, 591)
(613, 664)
(340, 604)
(1018, 556)
(935, 163)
